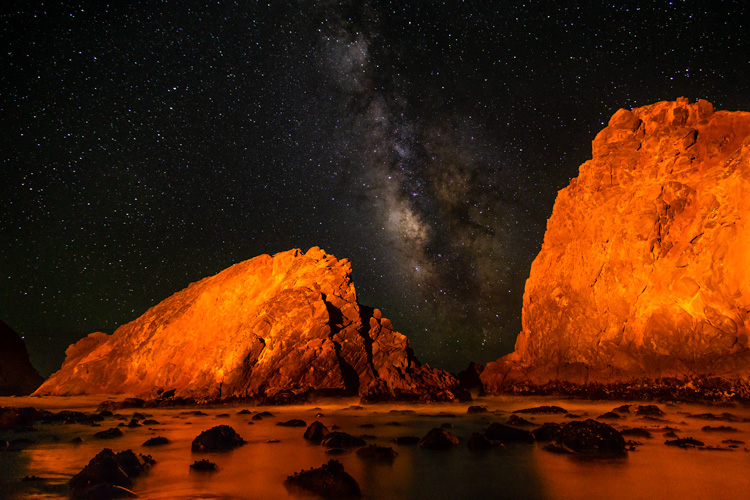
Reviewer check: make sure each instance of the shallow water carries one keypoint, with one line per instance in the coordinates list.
(258, 469)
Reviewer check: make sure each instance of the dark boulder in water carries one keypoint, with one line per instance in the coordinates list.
(553, 410)
(157, 441)
(293, 423)
(438, 439)
(329, 481)
(109, 475)
(507, 434)
(684, 443)
(342, 440)
(478, 441)
(219, 438)
(377, 452)
(519, 421)
(547, 432)
(406, 440)
(203, 465)
(316, 432)
(590, 438)
(109, 433)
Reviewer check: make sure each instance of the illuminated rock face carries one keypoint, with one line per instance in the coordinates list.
(290, 322)
(17, 376)
(645, 267)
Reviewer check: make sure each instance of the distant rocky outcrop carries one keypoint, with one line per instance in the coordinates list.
(272, 326)
(644, 271)
(17, 376)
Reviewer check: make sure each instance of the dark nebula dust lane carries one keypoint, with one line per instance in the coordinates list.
(149, 145)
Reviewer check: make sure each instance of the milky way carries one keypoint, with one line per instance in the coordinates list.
(149, 145)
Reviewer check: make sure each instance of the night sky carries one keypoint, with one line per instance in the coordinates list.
(146, 145)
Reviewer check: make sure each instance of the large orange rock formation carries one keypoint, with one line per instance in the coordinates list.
(645, 267)
(17, 376)
(284, 323)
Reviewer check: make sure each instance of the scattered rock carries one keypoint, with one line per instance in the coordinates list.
(438, 439)
(551, 410)
(623, 409)
(684, 443)
(342, 440)
(610, 415)
(157, 441)
(477, 409)
(649, 410)
(590, 438)
(726, 417)
(262, 415)
(293, 423)
(506, 434)
(329, 481)
(133, 423)
(636, 432)
(377, 452)
(478, 441)
(406, 440)
(109, 475)
(114, 432)
(547, 432)
(244, 412)
(219, 438)
(519, 421)
(720, 428)
(203, 466)
(316, 432)
(150, 421)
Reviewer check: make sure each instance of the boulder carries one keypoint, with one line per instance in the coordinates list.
(590, 438)
(438, 439)
(276, 328)
(506, 434)
(219, 438)
(643, 272)
(316, 432)
(547, 432)
(109, 475)
(478, 441)
(329, 481)
(338, 439)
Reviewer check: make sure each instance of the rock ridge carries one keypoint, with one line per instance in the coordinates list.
(276, 326)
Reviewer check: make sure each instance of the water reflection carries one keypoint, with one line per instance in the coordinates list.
(257, 470)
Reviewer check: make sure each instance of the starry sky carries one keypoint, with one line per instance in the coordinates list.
(148, 144)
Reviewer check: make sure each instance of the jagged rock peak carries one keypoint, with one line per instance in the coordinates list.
(288, 323)
(644, 268)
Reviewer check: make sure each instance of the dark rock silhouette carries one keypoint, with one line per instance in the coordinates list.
(329, 481)
(438, 439)
(219, 438)
(109, 475)
(17, 376)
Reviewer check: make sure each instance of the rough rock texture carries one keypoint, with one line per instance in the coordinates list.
(643, 273)
(17, 376)
(288, 322)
